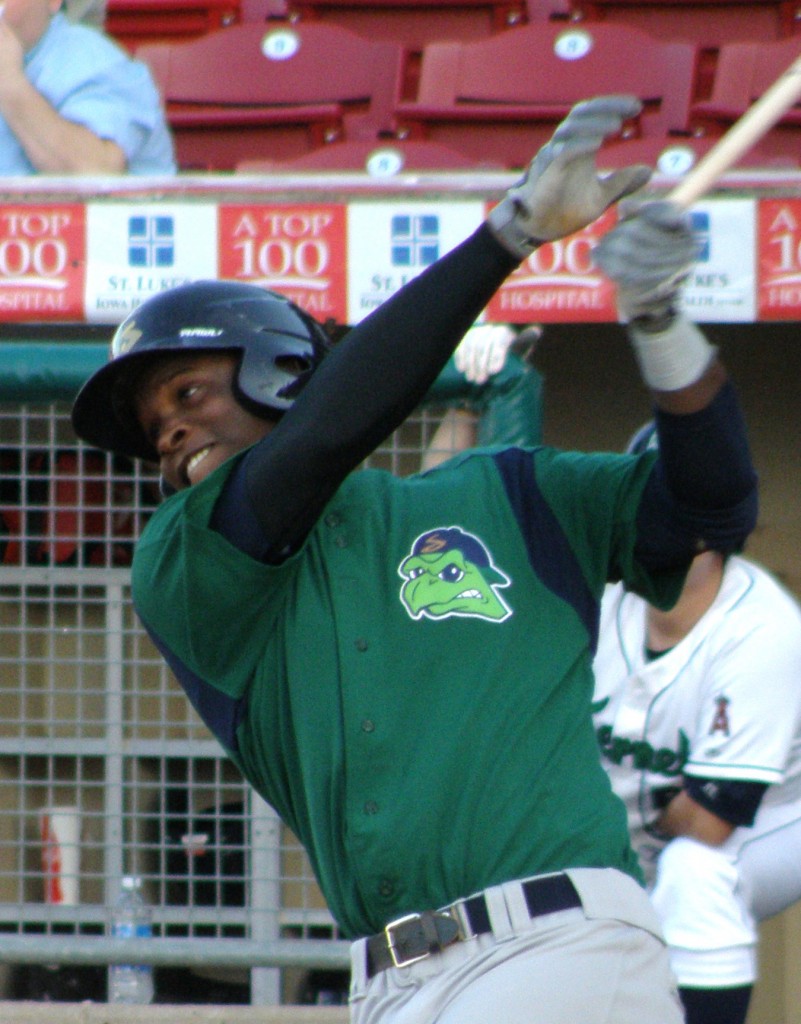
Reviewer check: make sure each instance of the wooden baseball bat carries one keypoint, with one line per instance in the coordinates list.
(758, 119)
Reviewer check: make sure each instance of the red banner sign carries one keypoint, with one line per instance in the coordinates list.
(779, 263)
(298, 250)
(42, 262)
(558, 283)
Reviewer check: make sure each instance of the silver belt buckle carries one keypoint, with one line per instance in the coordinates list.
(388, 930)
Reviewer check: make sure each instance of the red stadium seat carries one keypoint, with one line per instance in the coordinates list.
(133, 22)
(709, 23)
(382, 160)
(415, 23)
(253, 91)
(744, 72)
(544, 10)
(263, 10)
(500, 98)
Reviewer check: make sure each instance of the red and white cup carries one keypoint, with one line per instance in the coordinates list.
(60, 833)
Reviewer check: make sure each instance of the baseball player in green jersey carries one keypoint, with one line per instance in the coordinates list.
(402, 666)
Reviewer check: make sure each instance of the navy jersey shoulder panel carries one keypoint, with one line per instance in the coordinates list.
(236, 519)
(549, 552)
(220, 713)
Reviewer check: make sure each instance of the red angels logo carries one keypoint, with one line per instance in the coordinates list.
(720, 720)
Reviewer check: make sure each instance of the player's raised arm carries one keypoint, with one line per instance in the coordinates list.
(387, 363)
(706, 476)
(649, 256)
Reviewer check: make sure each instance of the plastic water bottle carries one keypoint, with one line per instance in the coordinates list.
(131, 983)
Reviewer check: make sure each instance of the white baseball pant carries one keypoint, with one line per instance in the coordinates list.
(711, 899)
(603, 963)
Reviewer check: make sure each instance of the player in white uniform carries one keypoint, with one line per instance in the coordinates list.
(698, 717)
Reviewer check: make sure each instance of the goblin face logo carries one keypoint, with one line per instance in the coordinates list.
(450, 572)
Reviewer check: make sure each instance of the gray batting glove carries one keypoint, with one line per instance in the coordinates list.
(562, 190)
(649, 256)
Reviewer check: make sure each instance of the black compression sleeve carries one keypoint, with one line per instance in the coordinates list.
(705, 455)
(732, 800)
(365, 388)
(716, 1005)
(703, 491)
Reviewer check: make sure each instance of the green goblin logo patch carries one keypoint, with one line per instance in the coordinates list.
(450, 572)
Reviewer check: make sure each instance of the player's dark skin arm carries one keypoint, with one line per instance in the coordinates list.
(695, 397)
(683, 816)
(710, 809)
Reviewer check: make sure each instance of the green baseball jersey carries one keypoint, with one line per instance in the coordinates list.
(411, 689)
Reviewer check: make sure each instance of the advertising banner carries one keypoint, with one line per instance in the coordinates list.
(391, 242)
(95, 262)
(140, 249)
(779, 263)
(42, 262)
(721, 287)
(558, 283)
(298, 250)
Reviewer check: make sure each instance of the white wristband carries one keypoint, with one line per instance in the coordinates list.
(674, 358)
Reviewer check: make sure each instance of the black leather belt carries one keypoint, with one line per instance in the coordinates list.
(413, 938)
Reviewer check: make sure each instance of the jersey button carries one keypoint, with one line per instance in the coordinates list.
(386, 888)
(361, 644)
(371, 807)
(340, 541)
(333, 519)
(368, 725)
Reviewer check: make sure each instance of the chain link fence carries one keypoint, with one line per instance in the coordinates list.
(106, 770)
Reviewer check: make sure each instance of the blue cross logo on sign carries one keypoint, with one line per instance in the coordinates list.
(699, 219)
(151, 241)
(415, 240)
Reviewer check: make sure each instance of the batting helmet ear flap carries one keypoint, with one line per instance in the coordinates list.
(273, 371)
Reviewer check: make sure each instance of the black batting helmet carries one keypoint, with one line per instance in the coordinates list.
(280, 347)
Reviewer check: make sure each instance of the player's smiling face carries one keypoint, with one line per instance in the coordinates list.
(187, 407)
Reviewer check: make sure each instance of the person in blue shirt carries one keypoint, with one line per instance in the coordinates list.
(72, 101)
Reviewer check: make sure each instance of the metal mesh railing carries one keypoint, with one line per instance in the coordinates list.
(99, 746)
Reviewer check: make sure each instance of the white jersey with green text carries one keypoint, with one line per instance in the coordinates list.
(723, 704)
